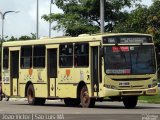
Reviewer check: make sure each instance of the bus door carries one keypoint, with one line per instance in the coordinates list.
(14, 72)
(95, 70)
(52, 71)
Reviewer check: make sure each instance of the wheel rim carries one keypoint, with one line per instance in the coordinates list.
(85, 99)
(30, 95)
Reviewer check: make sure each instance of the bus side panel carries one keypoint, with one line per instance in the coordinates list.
(36, 77)
(67, 90)
(68, 80)
(6, 82)
(39, 80)
(39, 76)
(65, 81)
(22, 90)
(41, 90)
(25, 75)
(6, 89)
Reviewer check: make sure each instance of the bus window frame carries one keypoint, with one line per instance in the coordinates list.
(37, 56)
(7, 62)
(31, 57)
(85, 55)
(64, 55)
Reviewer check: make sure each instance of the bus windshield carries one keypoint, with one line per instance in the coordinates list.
(129, 60)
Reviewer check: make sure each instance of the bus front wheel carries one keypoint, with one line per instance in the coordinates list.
(130, 102)
(86, 101)
(32, 100)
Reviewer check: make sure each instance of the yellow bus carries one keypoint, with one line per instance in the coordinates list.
(81, 70)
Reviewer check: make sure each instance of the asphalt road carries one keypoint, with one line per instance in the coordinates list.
(56, 110)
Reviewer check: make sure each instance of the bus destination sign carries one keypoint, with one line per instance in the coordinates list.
(127, 39)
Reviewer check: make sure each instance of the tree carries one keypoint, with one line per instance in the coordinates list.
(23, 37)
(83, 16)
(26, 37)
(13, 39)
(154, 21)
(134, 22)
(144, 20)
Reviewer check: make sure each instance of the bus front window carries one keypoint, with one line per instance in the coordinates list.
(142, 58)
(129, 59)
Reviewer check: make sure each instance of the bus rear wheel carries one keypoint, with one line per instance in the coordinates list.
(130, 102)
(32, 100)
(71, 101)
(86, 101)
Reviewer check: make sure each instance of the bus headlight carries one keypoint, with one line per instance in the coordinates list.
(154, 83)
(150, 85)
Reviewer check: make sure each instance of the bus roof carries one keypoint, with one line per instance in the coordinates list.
(66, 39)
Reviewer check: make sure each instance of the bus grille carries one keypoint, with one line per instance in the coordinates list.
(132, 93)
(131, 87)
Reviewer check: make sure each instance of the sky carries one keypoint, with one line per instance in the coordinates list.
(24, 22)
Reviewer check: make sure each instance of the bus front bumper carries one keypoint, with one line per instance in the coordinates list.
(132, 92)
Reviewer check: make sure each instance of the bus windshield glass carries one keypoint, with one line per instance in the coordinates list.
(129, 60)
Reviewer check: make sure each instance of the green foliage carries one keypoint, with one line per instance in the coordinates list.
(83, 16)
(24, 37)
(13, 39)
(135, 21)
(154, 20)
(150, 99)
(144, 20)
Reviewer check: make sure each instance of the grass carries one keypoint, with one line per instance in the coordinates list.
(150, 99)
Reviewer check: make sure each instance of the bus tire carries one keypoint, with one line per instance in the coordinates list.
(40, 101)
(130, 102)
(72, 101)
(31, 95)
(86, 101)
(32, 100)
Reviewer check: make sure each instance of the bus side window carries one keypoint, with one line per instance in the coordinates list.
(39, 56)
(81, 55)
(5, 57)
(26, 57)
(66, 55)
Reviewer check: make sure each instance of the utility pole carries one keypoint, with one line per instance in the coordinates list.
(102, 15)
(37, 26)
(50, 22)
(3, 18)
